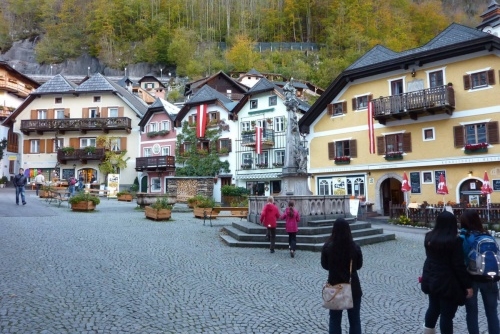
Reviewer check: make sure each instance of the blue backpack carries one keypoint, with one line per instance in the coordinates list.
(484, 255)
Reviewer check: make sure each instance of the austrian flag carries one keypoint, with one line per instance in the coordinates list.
(201, 120)
(258, 140)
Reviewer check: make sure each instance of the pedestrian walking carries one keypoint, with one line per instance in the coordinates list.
(80, 181)
(20, 182)
(268, 217)
(444, 279)
(336, 256)
(71, 186)
(471, 226)
(39, 181)
(292, 219)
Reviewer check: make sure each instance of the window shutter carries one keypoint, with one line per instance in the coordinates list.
(380, 145)
(34, 114)
(218, 146)
(331, 151)
(407, 142)
(50, 146)
(50, 114)
(104, 112)
(458, 136)
(229, 148)
(42, 145)
(354, 104)
(190, 119)
(217, 116)
(344, 107)
(74, 142)
(493, 137)
(370, 97)
(353, 148)
(491, 77)
(181, 148)
(123, 143)
(121, 112)
(466, 82)
(329, 108)
(85, 112)
(26, 146)
(66, 112)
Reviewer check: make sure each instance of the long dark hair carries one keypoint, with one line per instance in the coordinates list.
(444, 233)
(343, 244)
(471, 221)
(291, 213)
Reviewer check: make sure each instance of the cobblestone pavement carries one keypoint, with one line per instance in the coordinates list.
(113, 271)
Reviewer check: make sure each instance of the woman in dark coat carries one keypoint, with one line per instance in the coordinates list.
(445, 278)
(336, 256)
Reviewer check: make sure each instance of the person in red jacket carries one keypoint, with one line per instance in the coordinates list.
(268, 217)
(292, 218)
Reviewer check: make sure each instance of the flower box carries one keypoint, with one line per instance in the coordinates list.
(394, 157)
(475, 151)
(157, 214)
(125, 197)
(342, 162)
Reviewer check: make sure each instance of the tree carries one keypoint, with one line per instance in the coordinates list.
(113, 160)
(242, 54)
(195, 161)
(3, 145)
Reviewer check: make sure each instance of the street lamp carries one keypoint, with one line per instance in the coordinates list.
(50, 70)
(125, 71)
(88, 71)
(161, 73)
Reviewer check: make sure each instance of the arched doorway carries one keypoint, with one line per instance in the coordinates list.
(470, 192)
(388, 189)
(144, 184)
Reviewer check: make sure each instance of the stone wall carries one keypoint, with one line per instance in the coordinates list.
(187, 187)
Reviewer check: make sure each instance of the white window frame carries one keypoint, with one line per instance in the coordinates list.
(97, 98)
(155, 185)
(273, 100)
(165, 126)
(84, 142)
(165, 150)
(58, 100)
(60, 141)
(147, 152)
(245, 157)
(428, 74)
(279, 156)
(433, 134)
(470, 73)
(35, 146)
(153, 127)
(253, 104)
(58, 113)
(390, 81)
(263, 157)
(245, 126)
(112, 112)
(357, 104)
(115, 144)
(279, 124)
(325, 184)
(93, 113)
(432, 177)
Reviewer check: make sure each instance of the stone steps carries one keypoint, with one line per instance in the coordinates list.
(247, 234)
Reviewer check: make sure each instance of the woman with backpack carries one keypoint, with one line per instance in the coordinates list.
(268, 217)
(472, 229)
(444, 279)
(292, 218)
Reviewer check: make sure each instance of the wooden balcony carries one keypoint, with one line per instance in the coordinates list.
(81, 155)
(15, 87)
(39, 126)
(163, 163)
(410, 105)
(249, 139)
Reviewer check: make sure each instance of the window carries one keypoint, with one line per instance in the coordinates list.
(59, 143)
(253, 104)
(361, 102)
(324, 186)
(84, 142)
(93, 113)
(58, 100)
(342, 148)
(165, 126)
(153, 127)
(247, 158)
(279, 124)
(150, 85)
(428, 134)
(147, 152)
(97, 99)
(42, 114)
(396, 87)
(115, 144)
(35, 146)
(436, 79)
(355, 186)
(165, 150)
(213, 116)
(155, 184)
(392, 143)
(263, 159)
(279, 157)
(334, 109)
(479, 79)
(59, 113)
(245, 126)
(273, 100)
(113, 112)
(224, 145)
(427, 177)
(476, 133)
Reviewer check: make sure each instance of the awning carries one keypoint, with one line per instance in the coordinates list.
(260, 176)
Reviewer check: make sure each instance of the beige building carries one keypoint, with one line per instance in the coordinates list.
(58, 125)
(434, 110)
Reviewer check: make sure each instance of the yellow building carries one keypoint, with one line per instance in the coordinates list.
(435, 111)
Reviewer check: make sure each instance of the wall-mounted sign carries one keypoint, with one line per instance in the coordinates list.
(156, 148)
(415, 182)
(496, 185)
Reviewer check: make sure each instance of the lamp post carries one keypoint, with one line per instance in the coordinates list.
(161, 73)
(88, 71)
(125, 71)
(50, 70)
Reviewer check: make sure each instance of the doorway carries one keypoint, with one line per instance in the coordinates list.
(390, 190)
(144, 184)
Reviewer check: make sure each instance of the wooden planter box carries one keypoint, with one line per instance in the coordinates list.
(83, 206)
(162, 214)
(199, 212)
(43, 193)
(125, 198)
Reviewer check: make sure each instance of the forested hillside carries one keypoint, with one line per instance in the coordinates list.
(185, 33)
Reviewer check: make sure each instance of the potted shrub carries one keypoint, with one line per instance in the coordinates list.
(125, 196)
(45, 191)
(84, 202)
(68, 150)
(89, 150)
(3, 181)
(203, 203)
(160, 210)
(193, 201)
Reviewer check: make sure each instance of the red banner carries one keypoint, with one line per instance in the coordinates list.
(258, 140)
(371, 129)
(201, 120)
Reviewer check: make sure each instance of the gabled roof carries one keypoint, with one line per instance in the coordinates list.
(491, 16)
(456, 40)
(263, 85)
(58, 84)
(125, 81)
(193, 85)
(254, 73)
(150, 77)
(96, 83)
(159, 106)
(15, 73)
(206, 95)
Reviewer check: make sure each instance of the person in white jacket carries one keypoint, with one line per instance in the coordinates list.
(39, 181)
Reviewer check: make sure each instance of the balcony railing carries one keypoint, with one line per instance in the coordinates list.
(249, 139)
(80, 154)
(163, 163)
(13, 86)
(76, 124)
(430, 101)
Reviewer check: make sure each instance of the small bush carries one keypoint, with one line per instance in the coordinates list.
(83, 197)
(161, 203)
(229, 190)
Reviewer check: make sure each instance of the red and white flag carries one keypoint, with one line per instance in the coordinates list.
(201, 120)
(371, 129)
(258, 140)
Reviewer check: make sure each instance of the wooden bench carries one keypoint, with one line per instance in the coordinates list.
(236, 212)
(98, 192)
(59, 197)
